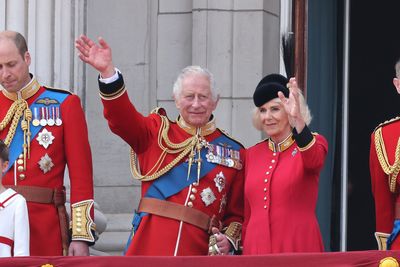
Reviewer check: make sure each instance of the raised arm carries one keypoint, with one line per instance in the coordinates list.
(99, 55)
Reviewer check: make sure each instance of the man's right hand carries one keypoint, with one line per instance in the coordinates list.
(97, 55)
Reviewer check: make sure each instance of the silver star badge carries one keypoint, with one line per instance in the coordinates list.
(207, 196)
(46, 163)
(220, 181)
(45, 138)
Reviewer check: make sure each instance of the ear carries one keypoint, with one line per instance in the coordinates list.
(396, 83)
(177, 102)
(216, 103)
(27, 58)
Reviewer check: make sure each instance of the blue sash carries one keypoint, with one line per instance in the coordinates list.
(394, 234)
(15, 148)
(175, 180)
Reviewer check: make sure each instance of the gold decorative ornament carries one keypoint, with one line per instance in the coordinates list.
(190, 146)
(234, 234)
(82, 223)
(388, 262)
(19, 109)
(391, 170)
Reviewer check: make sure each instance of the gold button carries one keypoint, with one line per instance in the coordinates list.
(195, 184)
(192, 197)
(266, 181)
(265, 189)
(270, 167)
(265, 206)
(267, 173)
(20, 168)
(78, 214)
(78, 219)
(20, 161)
(274, 154)
(190, 204)
(265, 198)
(273, 161)
(21, 156)
(78, 224)
(78, 229)
(22, 176)
(78, 209)
(194, 190)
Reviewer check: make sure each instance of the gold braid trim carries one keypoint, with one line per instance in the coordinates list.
(18, 109)
(391, 170)
(234, 234)
(182, 149)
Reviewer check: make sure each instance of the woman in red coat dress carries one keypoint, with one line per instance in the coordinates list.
(282, 173)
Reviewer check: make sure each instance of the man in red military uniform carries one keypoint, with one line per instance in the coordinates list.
(192, 187)
(385, 168)
(45, 130)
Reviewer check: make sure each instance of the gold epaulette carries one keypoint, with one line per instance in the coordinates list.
(230, 137)
(386, 123)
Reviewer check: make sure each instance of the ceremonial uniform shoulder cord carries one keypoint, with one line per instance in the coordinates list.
(391, 170)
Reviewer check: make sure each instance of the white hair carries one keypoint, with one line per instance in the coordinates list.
(194, 70)
(304, 110)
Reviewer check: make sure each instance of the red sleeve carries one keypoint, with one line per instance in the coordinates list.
(234, 211)
(125, 121)
(314, 156)
(77, 150)
(384, 199)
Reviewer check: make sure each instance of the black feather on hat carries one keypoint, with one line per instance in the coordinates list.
(269, 87)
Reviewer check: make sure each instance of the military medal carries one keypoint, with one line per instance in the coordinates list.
(45, 138)
(35, 121)
(58, 117)
(207, 196)
(43, 121)
(45, 163)
(220, 181)
(50, 120)
(223, 155)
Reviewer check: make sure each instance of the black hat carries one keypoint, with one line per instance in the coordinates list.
(269, 87)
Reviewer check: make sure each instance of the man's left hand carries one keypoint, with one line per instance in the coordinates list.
(223, 244)
(78, 248)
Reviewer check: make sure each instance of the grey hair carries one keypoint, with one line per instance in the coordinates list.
(397, 68)
(304, 110)
(193, 70)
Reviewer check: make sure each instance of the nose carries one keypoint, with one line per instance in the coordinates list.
(196, 102)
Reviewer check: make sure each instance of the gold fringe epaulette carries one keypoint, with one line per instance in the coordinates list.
(386, 123)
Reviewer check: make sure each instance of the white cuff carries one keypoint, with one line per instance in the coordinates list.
(110, 79)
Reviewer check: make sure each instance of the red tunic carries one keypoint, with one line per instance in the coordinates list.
(69, 147)
(384, 199)
(158, 235)
(281, 190)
